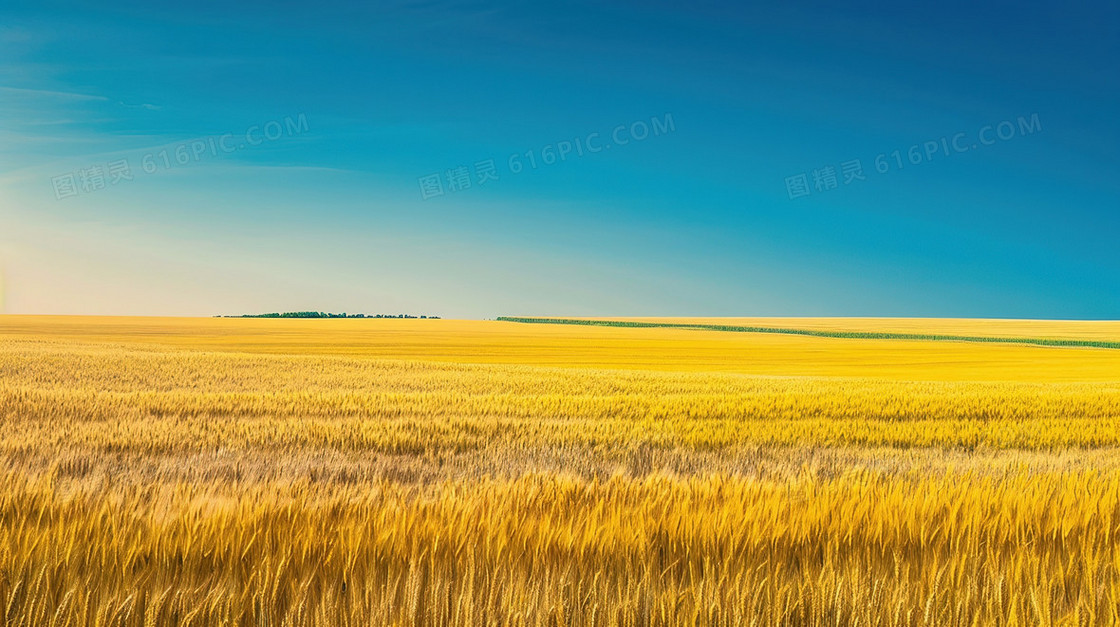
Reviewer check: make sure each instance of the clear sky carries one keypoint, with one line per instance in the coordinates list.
(237, 157)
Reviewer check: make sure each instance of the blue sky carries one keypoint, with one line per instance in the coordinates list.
(275, 154)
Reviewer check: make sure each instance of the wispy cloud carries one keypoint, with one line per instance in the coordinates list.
(48, 93)
(144, 105)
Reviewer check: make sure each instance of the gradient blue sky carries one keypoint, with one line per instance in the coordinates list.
(696, 221)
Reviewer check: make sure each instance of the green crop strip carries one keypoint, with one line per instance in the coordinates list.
(818, 333)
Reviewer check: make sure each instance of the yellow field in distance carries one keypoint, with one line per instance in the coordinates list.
(682, 350)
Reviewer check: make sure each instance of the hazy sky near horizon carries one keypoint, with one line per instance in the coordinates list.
(959, 159)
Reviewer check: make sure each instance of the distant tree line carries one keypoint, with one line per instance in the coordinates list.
(323, 314)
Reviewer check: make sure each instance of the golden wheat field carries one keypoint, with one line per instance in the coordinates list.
(160, 471)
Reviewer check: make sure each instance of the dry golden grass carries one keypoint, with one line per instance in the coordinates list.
(399, 472)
